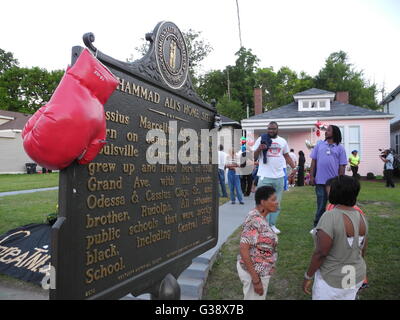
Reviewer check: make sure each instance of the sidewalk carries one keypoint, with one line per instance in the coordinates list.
(191, 281)
(13, 193)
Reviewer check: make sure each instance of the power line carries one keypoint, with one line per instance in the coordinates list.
(240, 32)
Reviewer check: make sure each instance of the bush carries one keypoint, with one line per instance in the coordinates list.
(370, 176)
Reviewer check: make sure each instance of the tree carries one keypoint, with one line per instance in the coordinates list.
(279, 87)
(7, 61)
(213, 85)
(231, 108)
(242, 78)
(27, 89)
(198, 50)
(339, 75)
(235, 82)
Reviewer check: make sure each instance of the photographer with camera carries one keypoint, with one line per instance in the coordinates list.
(388, 159)
(272, 153)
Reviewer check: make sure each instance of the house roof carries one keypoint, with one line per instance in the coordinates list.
(18, 122)
(395, 126)
(338, 109)
(314, 92)
(390, 96)
(228, 121)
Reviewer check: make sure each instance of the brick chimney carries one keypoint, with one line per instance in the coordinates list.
(342, 96)
(258, 109)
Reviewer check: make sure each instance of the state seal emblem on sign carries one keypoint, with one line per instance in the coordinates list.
(171, 55)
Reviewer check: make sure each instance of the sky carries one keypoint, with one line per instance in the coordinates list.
(293, 33)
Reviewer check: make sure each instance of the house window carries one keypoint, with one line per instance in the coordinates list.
(313, 105)
(354, 139)
(342, 132)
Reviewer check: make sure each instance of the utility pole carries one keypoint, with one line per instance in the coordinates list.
(383, 90)
(229, 84)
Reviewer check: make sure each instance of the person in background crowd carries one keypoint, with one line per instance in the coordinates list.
(221, 170)
(354, 161)
(257, 259)
(291, 173)
(300, 169)
(307, 178)
(255, 177)
(233, 164)
(246, 181)
(270, 167)
(388, 159)
(328, 161)
(338, 264)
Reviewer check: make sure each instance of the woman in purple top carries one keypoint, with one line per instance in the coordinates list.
(328, 161)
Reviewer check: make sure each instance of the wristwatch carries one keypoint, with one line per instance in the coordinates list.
(307, 277)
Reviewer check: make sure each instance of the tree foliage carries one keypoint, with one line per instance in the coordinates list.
(25, 89)
(278, 87)
(235, 82)
(7, 61)
(231, 108)
(198, 50)
(339, 75)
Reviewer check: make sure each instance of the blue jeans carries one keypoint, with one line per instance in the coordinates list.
(278, 184)
(221, 178)
(322, 199)
(234, 184)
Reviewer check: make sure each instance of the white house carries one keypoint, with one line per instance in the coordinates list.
(391, 104)
(226, 135)
(12, 153)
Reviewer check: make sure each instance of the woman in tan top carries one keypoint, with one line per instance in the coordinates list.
(341, 242)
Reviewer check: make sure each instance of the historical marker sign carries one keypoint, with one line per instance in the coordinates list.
(125, 222)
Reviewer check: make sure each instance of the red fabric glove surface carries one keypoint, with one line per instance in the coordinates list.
(72, 124)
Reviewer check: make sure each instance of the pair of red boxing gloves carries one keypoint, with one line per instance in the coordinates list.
(72, 124)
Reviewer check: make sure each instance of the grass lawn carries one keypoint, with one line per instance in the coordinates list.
(382, 207)
(19, 210)
(14, 182)
(224, 200)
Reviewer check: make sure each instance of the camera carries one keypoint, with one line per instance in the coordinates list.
(383, 152)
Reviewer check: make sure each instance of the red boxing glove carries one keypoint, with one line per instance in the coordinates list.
(72, 124)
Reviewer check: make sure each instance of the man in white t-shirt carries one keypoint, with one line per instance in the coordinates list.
(221, 170)
(270, 169)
